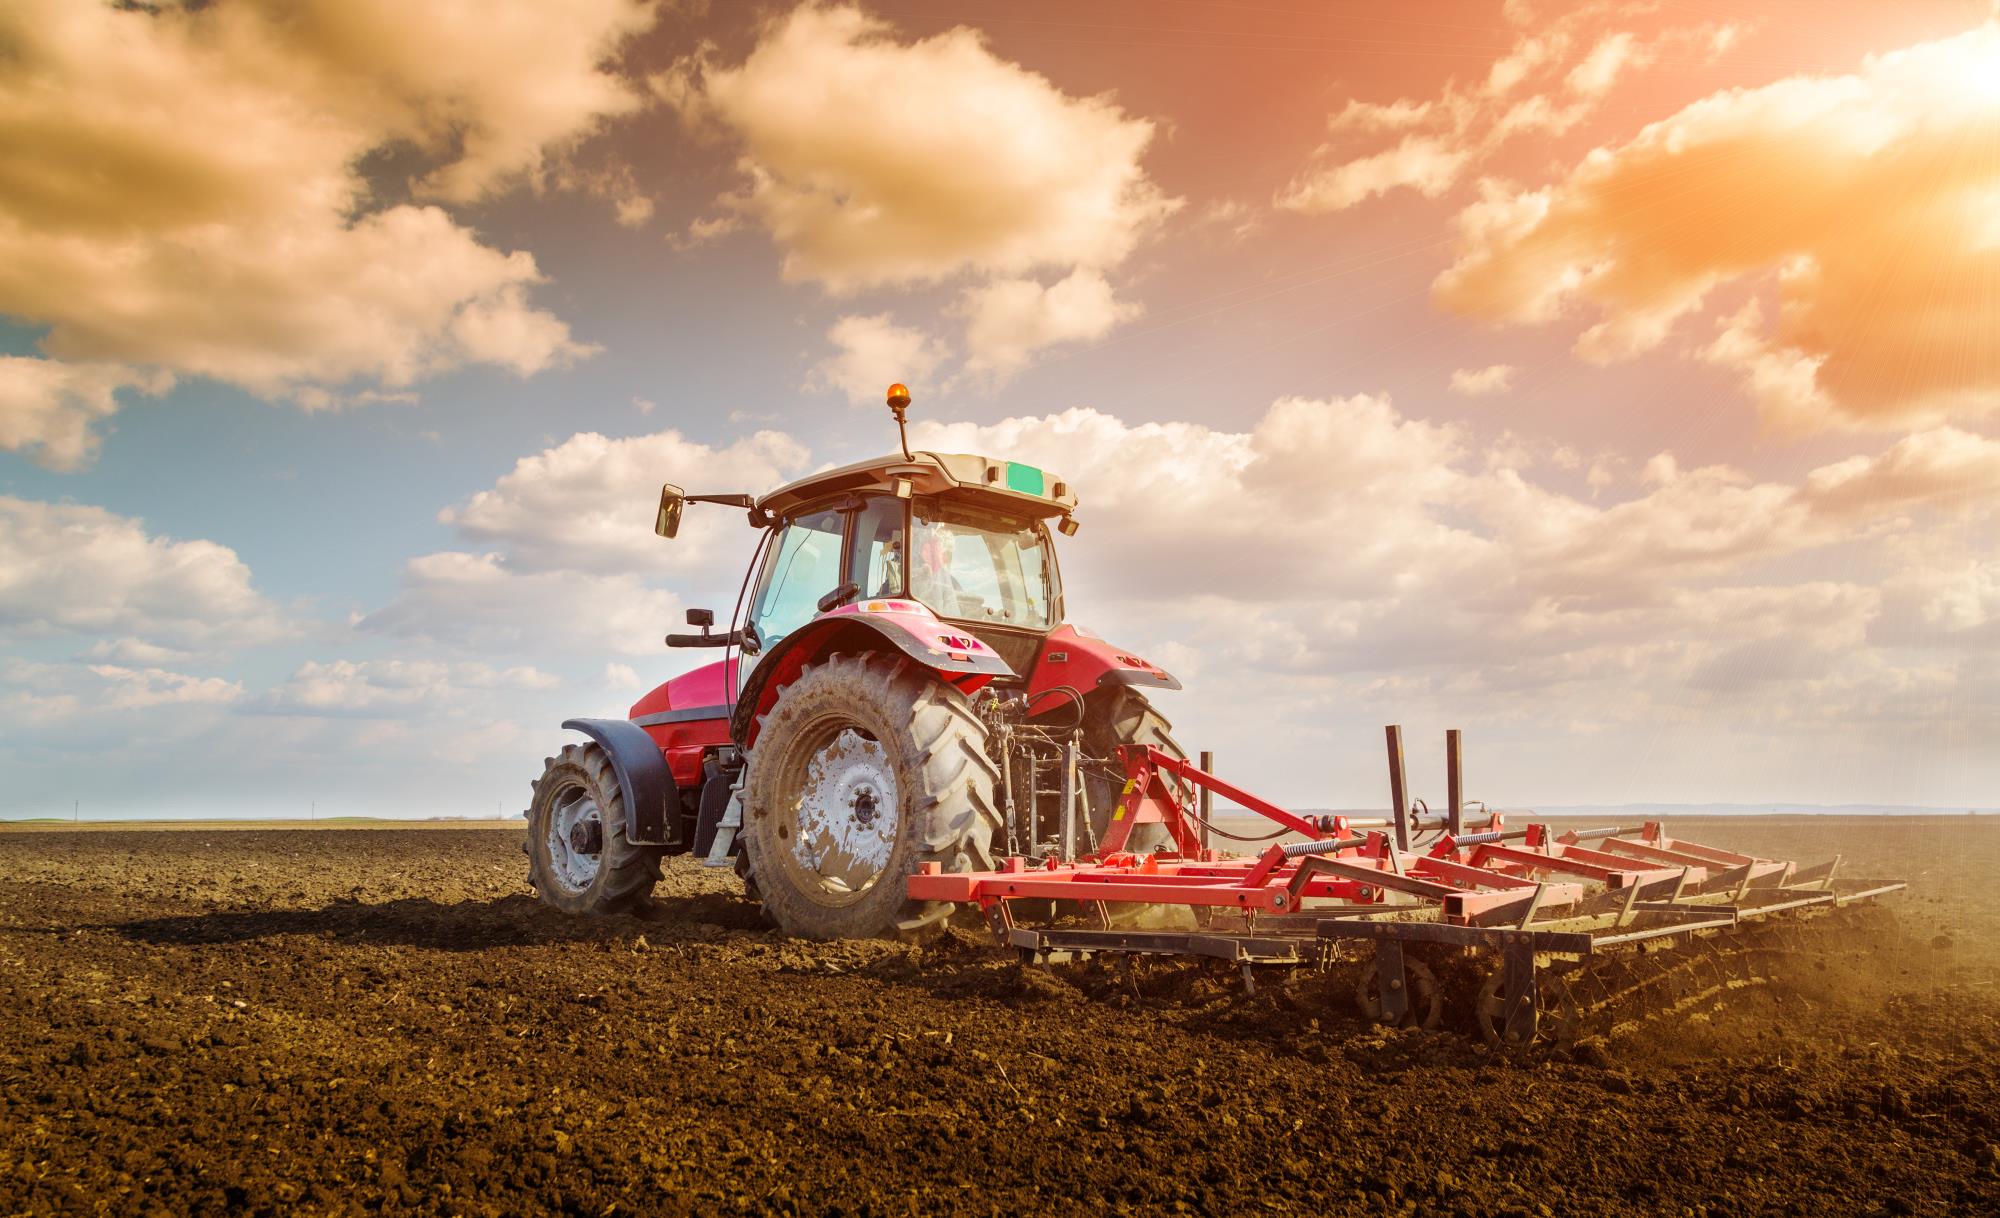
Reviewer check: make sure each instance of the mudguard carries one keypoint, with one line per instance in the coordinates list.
(651, 798)
(1074, 658)
(881, 625)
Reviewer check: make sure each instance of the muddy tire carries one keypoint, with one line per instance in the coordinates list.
(579, 859)
(865, 768)
(1121, 715)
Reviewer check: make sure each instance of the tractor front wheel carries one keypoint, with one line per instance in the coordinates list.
(579, 859)
(866, 767)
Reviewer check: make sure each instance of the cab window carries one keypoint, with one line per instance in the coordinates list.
(980, 567)
(804, 565)
(877, 565)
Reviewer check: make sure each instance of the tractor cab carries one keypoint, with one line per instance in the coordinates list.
(966, 537)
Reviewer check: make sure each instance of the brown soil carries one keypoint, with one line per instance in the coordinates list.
(382, 1020)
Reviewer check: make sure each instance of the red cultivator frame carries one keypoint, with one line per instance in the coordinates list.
(1545, 903)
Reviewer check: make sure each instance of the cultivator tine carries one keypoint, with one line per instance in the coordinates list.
(1069, 790)
(1454, 770)
(1399, 800)
(1395, 995)
(1207, 801)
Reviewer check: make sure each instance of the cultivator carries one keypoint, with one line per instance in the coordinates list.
(1547, 936)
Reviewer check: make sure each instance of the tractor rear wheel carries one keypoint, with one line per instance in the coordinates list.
(579, 859)
(865, 768)
(1121, 715)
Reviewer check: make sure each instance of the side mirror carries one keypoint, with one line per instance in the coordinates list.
(704, 618)
(672, 500)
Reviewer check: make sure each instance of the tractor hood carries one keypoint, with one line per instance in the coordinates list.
(1010, 486)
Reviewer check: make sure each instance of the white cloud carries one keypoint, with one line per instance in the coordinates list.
(69, 568)
(588, 503)
(1429, 166)
(1479, 382)
(1343, 537)
(872, 161)
(1847, 199)
(1599, 70)
(393, 687)
(183, 193)
(129, 651)
(874, 353)
(477, 602)
(139, 688)
(47, 408)
(1008, 320)
(568, 563)
(1436, 142)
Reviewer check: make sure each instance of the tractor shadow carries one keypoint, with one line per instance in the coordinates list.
(460, 926)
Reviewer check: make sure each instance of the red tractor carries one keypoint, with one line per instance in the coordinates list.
(899, 687)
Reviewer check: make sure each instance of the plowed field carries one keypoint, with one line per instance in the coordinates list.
(383, 1020)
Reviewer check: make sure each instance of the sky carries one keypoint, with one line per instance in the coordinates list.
(1616, 382)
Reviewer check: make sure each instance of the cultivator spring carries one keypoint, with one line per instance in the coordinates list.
(1535, 936)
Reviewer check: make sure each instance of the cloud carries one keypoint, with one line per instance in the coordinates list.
(184, 192)
(1008, 320)
(1479, 382)
(135, 651)
(567, 562)
(1545, 84)
(137, 689)
(477, 602)
(69, 568)
(588, 503)
(1848, 200)
(1427, 165)
(1338, 536)
(875, 162)
(875, 352)
(392, 687)
(47, 408)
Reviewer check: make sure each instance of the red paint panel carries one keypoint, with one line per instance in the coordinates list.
(1084, 661)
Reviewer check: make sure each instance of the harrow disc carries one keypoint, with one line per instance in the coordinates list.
(1557, 1014)
(1426, 1000)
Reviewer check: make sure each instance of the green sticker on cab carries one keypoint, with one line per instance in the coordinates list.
(1025, 478)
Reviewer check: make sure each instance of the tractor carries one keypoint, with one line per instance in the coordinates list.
(903, 724)
(900, 692)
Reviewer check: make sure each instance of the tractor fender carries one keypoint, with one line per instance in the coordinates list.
(950, 651)
(1075, 658)
(651, 797)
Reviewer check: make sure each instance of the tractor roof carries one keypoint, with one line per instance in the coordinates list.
(1008, 486)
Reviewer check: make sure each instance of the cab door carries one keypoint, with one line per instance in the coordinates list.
(802, 564)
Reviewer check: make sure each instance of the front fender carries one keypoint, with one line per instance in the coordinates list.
(945, 649)
(651, 798)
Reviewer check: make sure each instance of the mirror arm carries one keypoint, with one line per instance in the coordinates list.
(838, 597)
(705, 639)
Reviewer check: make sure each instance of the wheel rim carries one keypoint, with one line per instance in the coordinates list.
(576, 825)
(838, 834)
